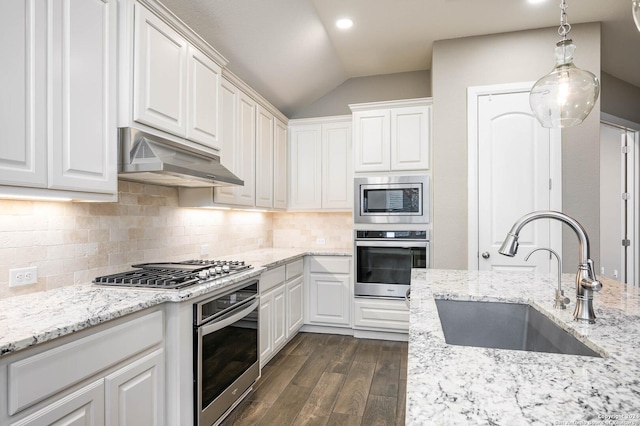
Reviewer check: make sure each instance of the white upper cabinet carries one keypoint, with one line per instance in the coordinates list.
(237, 134)
(171, 76)
(280, 165)
(320, 164)
(264, 158)
(160, 74)
(202, 98)
(58, 118)
(392, 136)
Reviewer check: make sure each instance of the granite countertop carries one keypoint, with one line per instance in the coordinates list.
(461, 385)
(39, 317)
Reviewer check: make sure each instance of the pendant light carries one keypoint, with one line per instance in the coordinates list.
(635, 9)
(566, 95)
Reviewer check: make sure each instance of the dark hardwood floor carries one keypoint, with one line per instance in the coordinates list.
(325, 379)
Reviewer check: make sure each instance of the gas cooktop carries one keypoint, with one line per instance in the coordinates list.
(173, 275)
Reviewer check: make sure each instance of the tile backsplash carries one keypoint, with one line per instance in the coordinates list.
(71, 243)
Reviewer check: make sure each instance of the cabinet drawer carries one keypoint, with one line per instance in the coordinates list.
(272, 278)
(330, 264)
(294, 269)
(381, 314)
(40, 376)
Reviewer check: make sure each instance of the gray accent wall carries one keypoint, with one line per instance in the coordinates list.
(620, 98)
(387, 87)
(495, 59)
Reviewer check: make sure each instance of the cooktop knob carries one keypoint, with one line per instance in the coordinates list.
(203, 274)
(218, 269)
(225, 269)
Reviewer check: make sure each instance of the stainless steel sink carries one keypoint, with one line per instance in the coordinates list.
(505, 326)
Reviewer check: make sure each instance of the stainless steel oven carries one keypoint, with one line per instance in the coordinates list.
(384, 259)
(391, 199)
(225, 352)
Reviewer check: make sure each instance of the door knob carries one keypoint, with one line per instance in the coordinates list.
(486, 255)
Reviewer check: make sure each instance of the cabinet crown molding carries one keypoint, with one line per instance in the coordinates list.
(391, 104)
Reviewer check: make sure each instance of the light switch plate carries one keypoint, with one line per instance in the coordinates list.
(23, 276)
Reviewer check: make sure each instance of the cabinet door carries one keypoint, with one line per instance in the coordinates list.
(329, 299)
(410, 134)
(372, 140)
(83, 139)
(246, 151)
(23, 139)
(159, 74)
(280, 165)
(83, 407)
(266, 328)
(381, 315)
(228, 132)
(264, 158)
(295, 302)
(202, 99)
(306, 172)
(279, 317)
(134, 394)
(337, 175)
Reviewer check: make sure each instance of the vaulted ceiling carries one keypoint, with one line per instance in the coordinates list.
(291, 52)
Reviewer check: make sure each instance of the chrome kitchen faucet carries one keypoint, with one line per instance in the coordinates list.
(586, 281)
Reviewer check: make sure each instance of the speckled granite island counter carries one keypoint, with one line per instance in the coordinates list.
(461, 385)
(39, 317)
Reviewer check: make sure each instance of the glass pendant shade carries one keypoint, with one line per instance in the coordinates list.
(566, 95)
(635, 8)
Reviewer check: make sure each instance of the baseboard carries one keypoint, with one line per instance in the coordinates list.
(381, 335)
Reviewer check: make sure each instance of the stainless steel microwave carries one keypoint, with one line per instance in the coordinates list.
(391, 199)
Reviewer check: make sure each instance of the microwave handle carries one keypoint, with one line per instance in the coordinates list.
(226, 321)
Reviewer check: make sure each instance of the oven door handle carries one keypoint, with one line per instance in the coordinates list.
(228, 320)
(397, 243)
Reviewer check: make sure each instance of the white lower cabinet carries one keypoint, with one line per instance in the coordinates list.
(329, 291)
(281, 314)
(381, 315)
(83, 407)
(133, 393)
(114, 375)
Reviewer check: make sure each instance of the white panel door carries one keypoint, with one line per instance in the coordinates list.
(23, 143)
(159, 74)
(329, 299)
(280, 165)
(228, 140)
(410, 132)
(264, 158)
(246, 153)
(83, 139)
(306, 173)
(372, 140)
(265, 317)
(84, 407)
(279, 317)
(295, 302)
(513, 179)
(135, 393)
(337, 166)
(203, 99)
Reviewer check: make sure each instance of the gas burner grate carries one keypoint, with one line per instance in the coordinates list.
(173, 275)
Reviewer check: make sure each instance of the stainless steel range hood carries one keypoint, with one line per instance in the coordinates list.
(149, 158)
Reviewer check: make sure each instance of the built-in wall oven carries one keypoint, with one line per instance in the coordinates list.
(391, 199)
(225, 351)
(384, 259)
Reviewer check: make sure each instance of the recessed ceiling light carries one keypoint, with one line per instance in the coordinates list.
(344, 23)
(536, 1)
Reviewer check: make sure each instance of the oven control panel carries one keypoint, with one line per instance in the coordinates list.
(392, 235)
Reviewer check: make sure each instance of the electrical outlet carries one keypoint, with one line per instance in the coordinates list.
(204, 249)
(320, 241)
(23, 276)
(260, 242)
